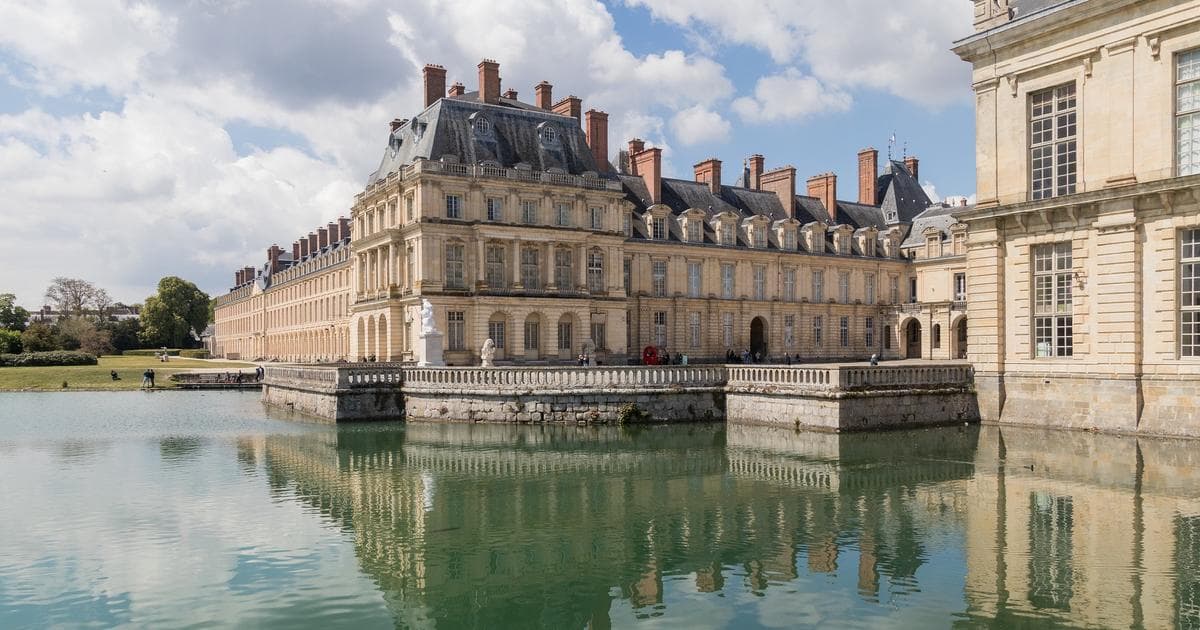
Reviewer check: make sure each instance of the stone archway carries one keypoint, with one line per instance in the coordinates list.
(758, 337)
(959, 338)
(912, 339)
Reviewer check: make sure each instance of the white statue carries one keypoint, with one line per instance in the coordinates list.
(488, 353)
(427, 325)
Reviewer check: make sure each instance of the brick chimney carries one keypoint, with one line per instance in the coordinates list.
(273, 254)
(457, 89)
(911, 163)
(756, 171)
(709, 172)
(648, 163)
(237, 278)
(303, 248)
(782, 182)
(489, 81)
(397, 123)
(322, 238)
(334, 234)
(295, 251)
(510, 94)
(312, 243)
(868, 175)
(597, 138)
(248, 274)
(435, 83)
(542, 96)
(570, 106)
(636, 146)
(343, 228)
(824, 187)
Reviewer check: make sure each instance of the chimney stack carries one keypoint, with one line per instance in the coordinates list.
(397, 123)
(782, 182)
(542, 96)
(597, 138)
(457, 89)
(273, 259)
(636, 146)
(343, 228)
(570, 106)
(709, 172)
(312, 244)
(295, 251)
(911, 163)
(489, 81)
(237, 278)
(648, 164)
(824, 187)
(868, 175)
(435, 83)
(334, 235)
(510, 94)
(756, 172)
(322, 238)
(303, 247)
(248, 274)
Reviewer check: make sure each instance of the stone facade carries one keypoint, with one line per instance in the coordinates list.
(1081, 296)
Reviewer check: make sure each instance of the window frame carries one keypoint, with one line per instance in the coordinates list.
(454, 209)
(1055, 117)
(1189, 313)
(1052, 312)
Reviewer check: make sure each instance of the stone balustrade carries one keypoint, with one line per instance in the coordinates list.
(481, 171)
(846, 378)
(564, 379)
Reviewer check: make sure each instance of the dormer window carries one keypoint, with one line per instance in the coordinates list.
(728, 234)
(480, 124)
(547, 133)
(789, 239)
(760, 236)
(658, 227)
(695, 229)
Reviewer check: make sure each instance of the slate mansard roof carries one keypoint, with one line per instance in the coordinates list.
(515, 135)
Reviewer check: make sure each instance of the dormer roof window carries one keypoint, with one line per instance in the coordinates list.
(547, 133)
(480, 124)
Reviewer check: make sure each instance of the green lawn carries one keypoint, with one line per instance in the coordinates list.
(96, 377)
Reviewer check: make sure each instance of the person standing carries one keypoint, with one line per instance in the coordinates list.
(151, 371)
(146, 380)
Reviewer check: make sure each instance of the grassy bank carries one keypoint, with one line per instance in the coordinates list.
(97, 377)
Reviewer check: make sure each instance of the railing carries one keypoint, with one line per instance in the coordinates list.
(497, 172)
(847, 378)
(958, 305)
(334, 377)
(571, 378)
(807, 377)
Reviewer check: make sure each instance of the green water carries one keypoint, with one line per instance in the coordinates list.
(198, 509)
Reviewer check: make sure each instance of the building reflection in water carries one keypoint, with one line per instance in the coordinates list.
(477, 525)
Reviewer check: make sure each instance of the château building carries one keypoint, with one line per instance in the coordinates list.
(1083, 255)
(509, 218)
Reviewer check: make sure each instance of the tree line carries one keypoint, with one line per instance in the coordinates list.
(85, 319)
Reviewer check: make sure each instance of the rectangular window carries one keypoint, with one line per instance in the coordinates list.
(1189, 293)
(564, 336)
(844, 287)
(960, 287)
(659, 228)
(760, 236)
(844, 331)
(529, 212)
(818, 286)
(694, 279)
(789, 285)
(817, 324)
(494, 270)
(597, 216)
(495, 209)
(595, 272)
(563, 269)
(531, 271)
(453, 207)
(869, 331)
(496, 333)
(789, 331)
(893, 290)
(912, 289)
(456, 330)
(627, 225)
(563, 214)
(728, 234)
(455, 254)
(658, 275)
(760, 282)
(1052, 142)
(695, 231)
(599, 335)
(1052, 320)
(727, 273)
(532, 335)
(694, 329)
(727, 329)
(660, 328)
(408, 209)
(1187, 112)
(789, 239)
(869, 288)
(628, 269)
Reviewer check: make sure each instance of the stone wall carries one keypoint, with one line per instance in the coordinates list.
(336, 394)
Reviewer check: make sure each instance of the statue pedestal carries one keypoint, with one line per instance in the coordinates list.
(429, 347)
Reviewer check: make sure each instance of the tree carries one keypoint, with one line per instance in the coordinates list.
(79, 333)
(10, 341)
(38, 337)
(75, 297)
(173, 313)
(12, 317)
(123, 334)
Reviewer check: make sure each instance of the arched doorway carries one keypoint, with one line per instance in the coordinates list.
(758, 337)
(912, 339)
(960, 339)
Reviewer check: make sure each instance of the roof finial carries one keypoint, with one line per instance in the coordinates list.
(891, 145)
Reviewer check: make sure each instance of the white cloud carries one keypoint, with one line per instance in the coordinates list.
(902, 49)
(790, 96)
(698, 124)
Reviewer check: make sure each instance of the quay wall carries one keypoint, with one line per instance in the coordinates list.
(337, 394)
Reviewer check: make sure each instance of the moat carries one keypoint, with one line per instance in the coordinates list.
(205, 508)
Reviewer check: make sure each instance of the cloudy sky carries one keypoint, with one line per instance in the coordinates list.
(143, 138)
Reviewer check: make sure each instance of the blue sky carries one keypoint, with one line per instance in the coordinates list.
(140, 139)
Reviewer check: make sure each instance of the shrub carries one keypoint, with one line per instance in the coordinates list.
(194, 354)
(41, 359)
(10, 341)
(150, 352)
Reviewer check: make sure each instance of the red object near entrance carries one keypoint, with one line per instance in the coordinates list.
(650, 356)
